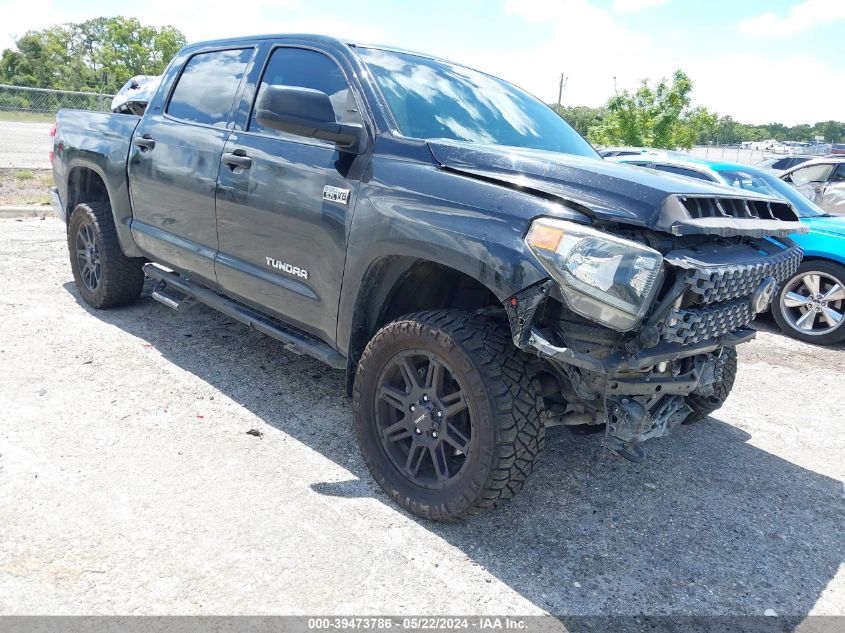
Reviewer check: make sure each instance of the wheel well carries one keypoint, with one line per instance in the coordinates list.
(818, 258)
(400, 285)
(85, 185)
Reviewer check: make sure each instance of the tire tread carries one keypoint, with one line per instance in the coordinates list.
(122, 277)
(512, 391)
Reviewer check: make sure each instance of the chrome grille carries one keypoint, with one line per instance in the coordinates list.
(712, 285)
(688, 326)
(719, 282)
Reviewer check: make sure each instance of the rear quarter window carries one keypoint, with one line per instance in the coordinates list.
(206, 88)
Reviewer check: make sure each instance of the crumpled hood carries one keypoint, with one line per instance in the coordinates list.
(833, 225)
(603, 189)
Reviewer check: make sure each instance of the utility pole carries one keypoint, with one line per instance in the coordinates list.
(563, 80)
(615, 90)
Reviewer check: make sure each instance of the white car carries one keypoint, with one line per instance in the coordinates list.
(821, 180)
(133, 97)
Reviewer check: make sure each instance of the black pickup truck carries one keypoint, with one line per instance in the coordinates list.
(473, 265)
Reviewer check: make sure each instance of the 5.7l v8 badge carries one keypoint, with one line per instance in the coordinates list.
(335, 194)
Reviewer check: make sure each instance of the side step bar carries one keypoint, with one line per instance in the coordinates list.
(167, 297)
(295, 341)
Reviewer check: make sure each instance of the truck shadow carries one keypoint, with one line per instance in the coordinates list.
(709, 524)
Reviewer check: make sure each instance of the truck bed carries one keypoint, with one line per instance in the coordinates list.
(97, 141)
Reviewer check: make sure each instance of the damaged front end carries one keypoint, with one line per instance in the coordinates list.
(639, 336)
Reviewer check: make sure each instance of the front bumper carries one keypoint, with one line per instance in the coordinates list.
(632, 362)
(56, 203)
(645, 382)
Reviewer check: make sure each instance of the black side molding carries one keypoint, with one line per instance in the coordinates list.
(294, 340)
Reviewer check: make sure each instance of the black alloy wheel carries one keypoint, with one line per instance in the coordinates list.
(88, 255)
(423, 418)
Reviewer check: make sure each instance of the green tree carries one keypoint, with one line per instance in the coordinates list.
(658, 116)
(832, 131)
(582, 118)
(98, 54)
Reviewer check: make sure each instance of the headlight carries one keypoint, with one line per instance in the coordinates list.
(602, 277)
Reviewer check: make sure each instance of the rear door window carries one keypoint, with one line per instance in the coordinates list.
(207, 86)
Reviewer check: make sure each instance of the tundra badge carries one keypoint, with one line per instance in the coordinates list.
(285, 267)
(335, 194)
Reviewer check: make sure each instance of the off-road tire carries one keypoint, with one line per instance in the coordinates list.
(702, 406)
(502, 399)
(121, 278)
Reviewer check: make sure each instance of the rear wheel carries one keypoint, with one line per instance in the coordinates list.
(447, 414)
(104, 276)
(811, 305)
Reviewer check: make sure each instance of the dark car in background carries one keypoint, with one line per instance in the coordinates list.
(783, 163)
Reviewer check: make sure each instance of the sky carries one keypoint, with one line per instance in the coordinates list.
(759, 61)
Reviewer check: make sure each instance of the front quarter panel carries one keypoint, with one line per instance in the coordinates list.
(822, 245)
(416, 210)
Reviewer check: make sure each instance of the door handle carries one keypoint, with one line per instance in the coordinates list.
(144, 142)
(235, 159)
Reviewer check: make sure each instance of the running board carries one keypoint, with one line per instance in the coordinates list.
(294, 340)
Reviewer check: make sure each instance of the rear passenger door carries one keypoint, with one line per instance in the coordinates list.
(174, 161)
(811, 180)
(284, 202)
(833, 198)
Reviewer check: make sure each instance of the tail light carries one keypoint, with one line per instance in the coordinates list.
(52, 136)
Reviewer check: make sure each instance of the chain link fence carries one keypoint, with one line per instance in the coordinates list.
(748, 156)
(26, 115)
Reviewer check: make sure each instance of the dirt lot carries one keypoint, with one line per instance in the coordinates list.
(25, 186)
(129, 484)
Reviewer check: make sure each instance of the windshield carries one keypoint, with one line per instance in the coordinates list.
(771, 185)
(432, 99)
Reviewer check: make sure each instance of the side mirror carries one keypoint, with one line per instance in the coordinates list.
(309, 113)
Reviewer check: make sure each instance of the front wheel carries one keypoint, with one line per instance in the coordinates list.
(724, 378)
(811, 305)
(447, 413)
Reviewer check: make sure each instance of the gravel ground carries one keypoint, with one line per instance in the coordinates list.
(129, 484)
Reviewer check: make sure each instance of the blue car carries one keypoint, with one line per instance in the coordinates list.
(811, 305)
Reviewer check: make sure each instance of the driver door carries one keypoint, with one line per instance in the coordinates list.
(282, 235)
